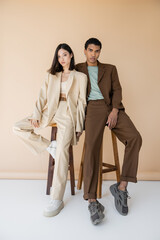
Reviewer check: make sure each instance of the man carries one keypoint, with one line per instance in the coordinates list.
(104, 107)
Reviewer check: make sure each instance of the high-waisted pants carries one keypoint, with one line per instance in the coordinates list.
(37, 144)
(95, 122)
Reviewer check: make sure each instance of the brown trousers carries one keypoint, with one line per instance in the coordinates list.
(96, 117)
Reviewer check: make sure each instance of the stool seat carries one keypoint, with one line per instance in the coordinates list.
(53, 125)
(103, 167)
(52, 162)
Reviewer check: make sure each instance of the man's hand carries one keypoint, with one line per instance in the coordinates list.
(78, 134)
(35, 122)
(112, 118)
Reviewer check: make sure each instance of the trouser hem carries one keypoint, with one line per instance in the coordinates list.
(128, 179)
(89, 196)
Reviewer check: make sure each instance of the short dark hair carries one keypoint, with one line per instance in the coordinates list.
(56, 66)
(94, 41)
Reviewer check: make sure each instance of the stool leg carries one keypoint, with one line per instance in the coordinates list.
(99, 187)
(80, 177)
(71, 168)
(51, 163)
(116, 157)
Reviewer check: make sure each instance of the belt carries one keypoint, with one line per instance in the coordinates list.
(62, 99)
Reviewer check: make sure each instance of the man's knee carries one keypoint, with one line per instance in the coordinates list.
(136, 138)
(139, 138)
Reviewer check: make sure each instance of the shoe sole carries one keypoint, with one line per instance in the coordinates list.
(52, 214)
(115, 201)
(97, 221)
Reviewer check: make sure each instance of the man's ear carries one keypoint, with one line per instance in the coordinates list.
(84, 51)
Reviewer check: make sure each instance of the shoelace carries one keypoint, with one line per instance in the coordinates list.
(53, 147)
(125, 195)
(99, 206)
(51, 202)
(93, 206)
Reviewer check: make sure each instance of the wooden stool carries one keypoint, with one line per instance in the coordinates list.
(52, 162)
(107, 167)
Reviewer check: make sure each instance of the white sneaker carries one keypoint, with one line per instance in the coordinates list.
(54, 207)
(52, 148)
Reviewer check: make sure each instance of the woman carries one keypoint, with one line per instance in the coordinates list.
(62, 100)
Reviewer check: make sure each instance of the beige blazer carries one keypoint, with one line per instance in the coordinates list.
(48, 99)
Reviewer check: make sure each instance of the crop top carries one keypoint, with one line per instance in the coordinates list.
(63, 87)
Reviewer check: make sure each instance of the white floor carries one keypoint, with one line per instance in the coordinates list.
(22, 203)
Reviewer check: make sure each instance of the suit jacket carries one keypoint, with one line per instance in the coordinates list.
(108, 83)
(48, 99)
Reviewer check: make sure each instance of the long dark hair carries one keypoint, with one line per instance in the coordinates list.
(56, 66)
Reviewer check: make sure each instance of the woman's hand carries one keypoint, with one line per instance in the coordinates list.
(78, 134)
(34, 122)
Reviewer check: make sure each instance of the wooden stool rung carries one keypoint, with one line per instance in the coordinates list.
(108, 165)
(109, 170)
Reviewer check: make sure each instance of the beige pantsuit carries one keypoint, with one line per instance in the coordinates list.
(68, 115)
(33, 141)
(64, 137)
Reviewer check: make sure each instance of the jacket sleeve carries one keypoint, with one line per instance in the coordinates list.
(81, 105)
(41, 100)
(116, 90)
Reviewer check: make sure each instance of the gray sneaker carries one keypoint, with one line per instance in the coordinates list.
(96, 212)
(120, 199)
(101, 207)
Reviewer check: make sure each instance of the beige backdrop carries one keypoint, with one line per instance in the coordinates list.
(30, 32)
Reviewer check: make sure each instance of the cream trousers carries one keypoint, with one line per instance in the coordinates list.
(36, 143)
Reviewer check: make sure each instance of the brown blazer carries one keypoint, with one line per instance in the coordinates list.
(108, 83)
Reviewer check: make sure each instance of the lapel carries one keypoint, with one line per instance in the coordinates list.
(69, 81)
(101, 70)
(56, 87)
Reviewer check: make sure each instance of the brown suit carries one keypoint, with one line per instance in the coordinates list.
(97, 112)
(108, 83)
